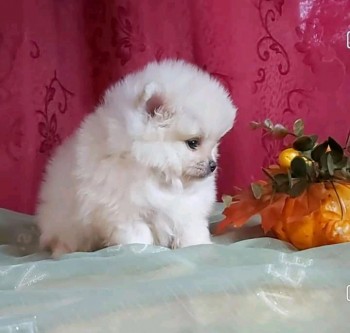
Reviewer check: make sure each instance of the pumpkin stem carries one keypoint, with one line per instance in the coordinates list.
(340, 203)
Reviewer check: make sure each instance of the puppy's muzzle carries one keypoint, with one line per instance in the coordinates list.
(202, 169)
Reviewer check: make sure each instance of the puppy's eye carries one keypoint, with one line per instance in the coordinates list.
(193, 143)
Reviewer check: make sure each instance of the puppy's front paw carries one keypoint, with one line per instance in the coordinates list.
(58, 249)
(195, 237)
(55, 245)
(133, 232)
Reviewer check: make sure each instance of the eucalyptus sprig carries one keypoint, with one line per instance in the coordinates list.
(279, 130)
(317, 162)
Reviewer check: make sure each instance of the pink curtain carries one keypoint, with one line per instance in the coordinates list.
(279, 59)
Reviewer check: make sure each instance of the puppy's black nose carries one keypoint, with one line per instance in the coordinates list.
(212, 166)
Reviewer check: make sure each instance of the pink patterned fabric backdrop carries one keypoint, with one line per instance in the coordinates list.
(279, 59)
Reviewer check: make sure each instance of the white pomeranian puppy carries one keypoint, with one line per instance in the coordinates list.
(141, 168)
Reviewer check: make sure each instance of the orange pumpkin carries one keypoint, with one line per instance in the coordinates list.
(320, 216)
(329, 224)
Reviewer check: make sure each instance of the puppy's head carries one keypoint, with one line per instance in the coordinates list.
(180, 114)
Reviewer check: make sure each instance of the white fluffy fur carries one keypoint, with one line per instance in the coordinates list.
(127, 176)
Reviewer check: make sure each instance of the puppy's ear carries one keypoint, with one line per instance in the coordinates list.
(152, 98)
(154, 103)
